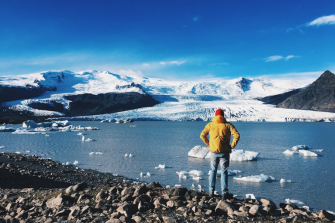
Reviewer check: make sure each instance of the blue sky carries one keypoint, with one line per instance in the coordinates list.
(171, 39)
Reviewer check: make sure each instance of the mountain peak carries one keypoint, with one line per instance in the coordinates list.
(318, 96)
(327, 74)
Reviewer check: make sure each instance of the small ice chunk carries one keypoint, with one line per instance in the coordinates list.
(141, 174)
(197, 173)
(300, 147)
(288, 152)
(126, 155)
(197, 178)
(148, 174)
(75, 162)
(307, 153)
(2, 147)
(18, 152)
(282, 181)
(296, 202)
(256, 178)
(95, 153)
(27, 151)
(177, 185)
(182, 174)
(160, 166)
(67, 163)
(167, 186)
(250, 196)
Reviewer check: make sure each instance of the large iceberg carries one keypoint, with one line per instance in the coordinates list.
(236, 155)
(256, 178)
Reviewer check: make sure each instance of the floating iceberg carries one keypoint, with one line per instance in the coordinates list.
(95, 153)
(288, 152)
(300, 147)
(239, 155)
(160, 166)
(196, 173)
(236, 155)
(4, 129)
(256, 178)
(307, 153)
(198, 152)
(24, 131)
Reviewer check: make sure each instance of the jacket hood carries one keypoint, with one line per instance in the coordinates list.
(219, 119)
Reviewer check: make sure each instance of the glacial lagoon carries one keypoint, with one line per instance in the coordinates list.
(157, 143)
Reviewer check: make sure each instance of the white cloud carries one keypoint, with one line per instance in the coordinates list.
(323, 20)
(273, 58)
(173, 62)
(290, 57)
(279, 57)
(145, 65)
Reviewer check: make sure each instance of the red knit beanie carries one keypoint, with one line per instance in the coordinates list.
(219, 112)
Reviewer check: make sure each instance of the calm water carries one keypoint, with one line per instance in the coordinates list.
(154, 143)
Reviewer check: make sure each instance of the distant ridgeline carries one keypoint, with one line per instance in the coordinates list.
(318, 96)
(79, 105)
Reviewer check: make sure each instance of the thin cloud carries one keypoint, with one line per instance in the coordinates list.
(196, 19)
(146, 65)
(323, 20)
(279, 57)
(273, 58)
(173, 62)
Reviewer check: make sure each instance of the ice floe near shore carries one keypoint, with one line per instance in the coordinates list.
(236, 155)
(302, 150)
(256, 178)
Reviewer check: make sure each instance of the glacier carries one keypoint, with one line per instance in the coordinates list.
(180, 100)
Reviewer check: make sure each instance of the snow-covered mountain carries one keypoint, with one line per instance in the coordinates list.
(178, 100)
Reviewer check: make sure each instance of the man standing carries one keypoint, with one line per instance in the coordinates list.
(219, 131)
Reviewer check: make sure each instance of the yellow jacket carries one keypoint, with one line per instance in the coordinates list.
(219, 131)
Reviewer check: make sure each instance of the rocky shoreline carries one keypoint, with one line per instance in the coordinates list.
(34, 189)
